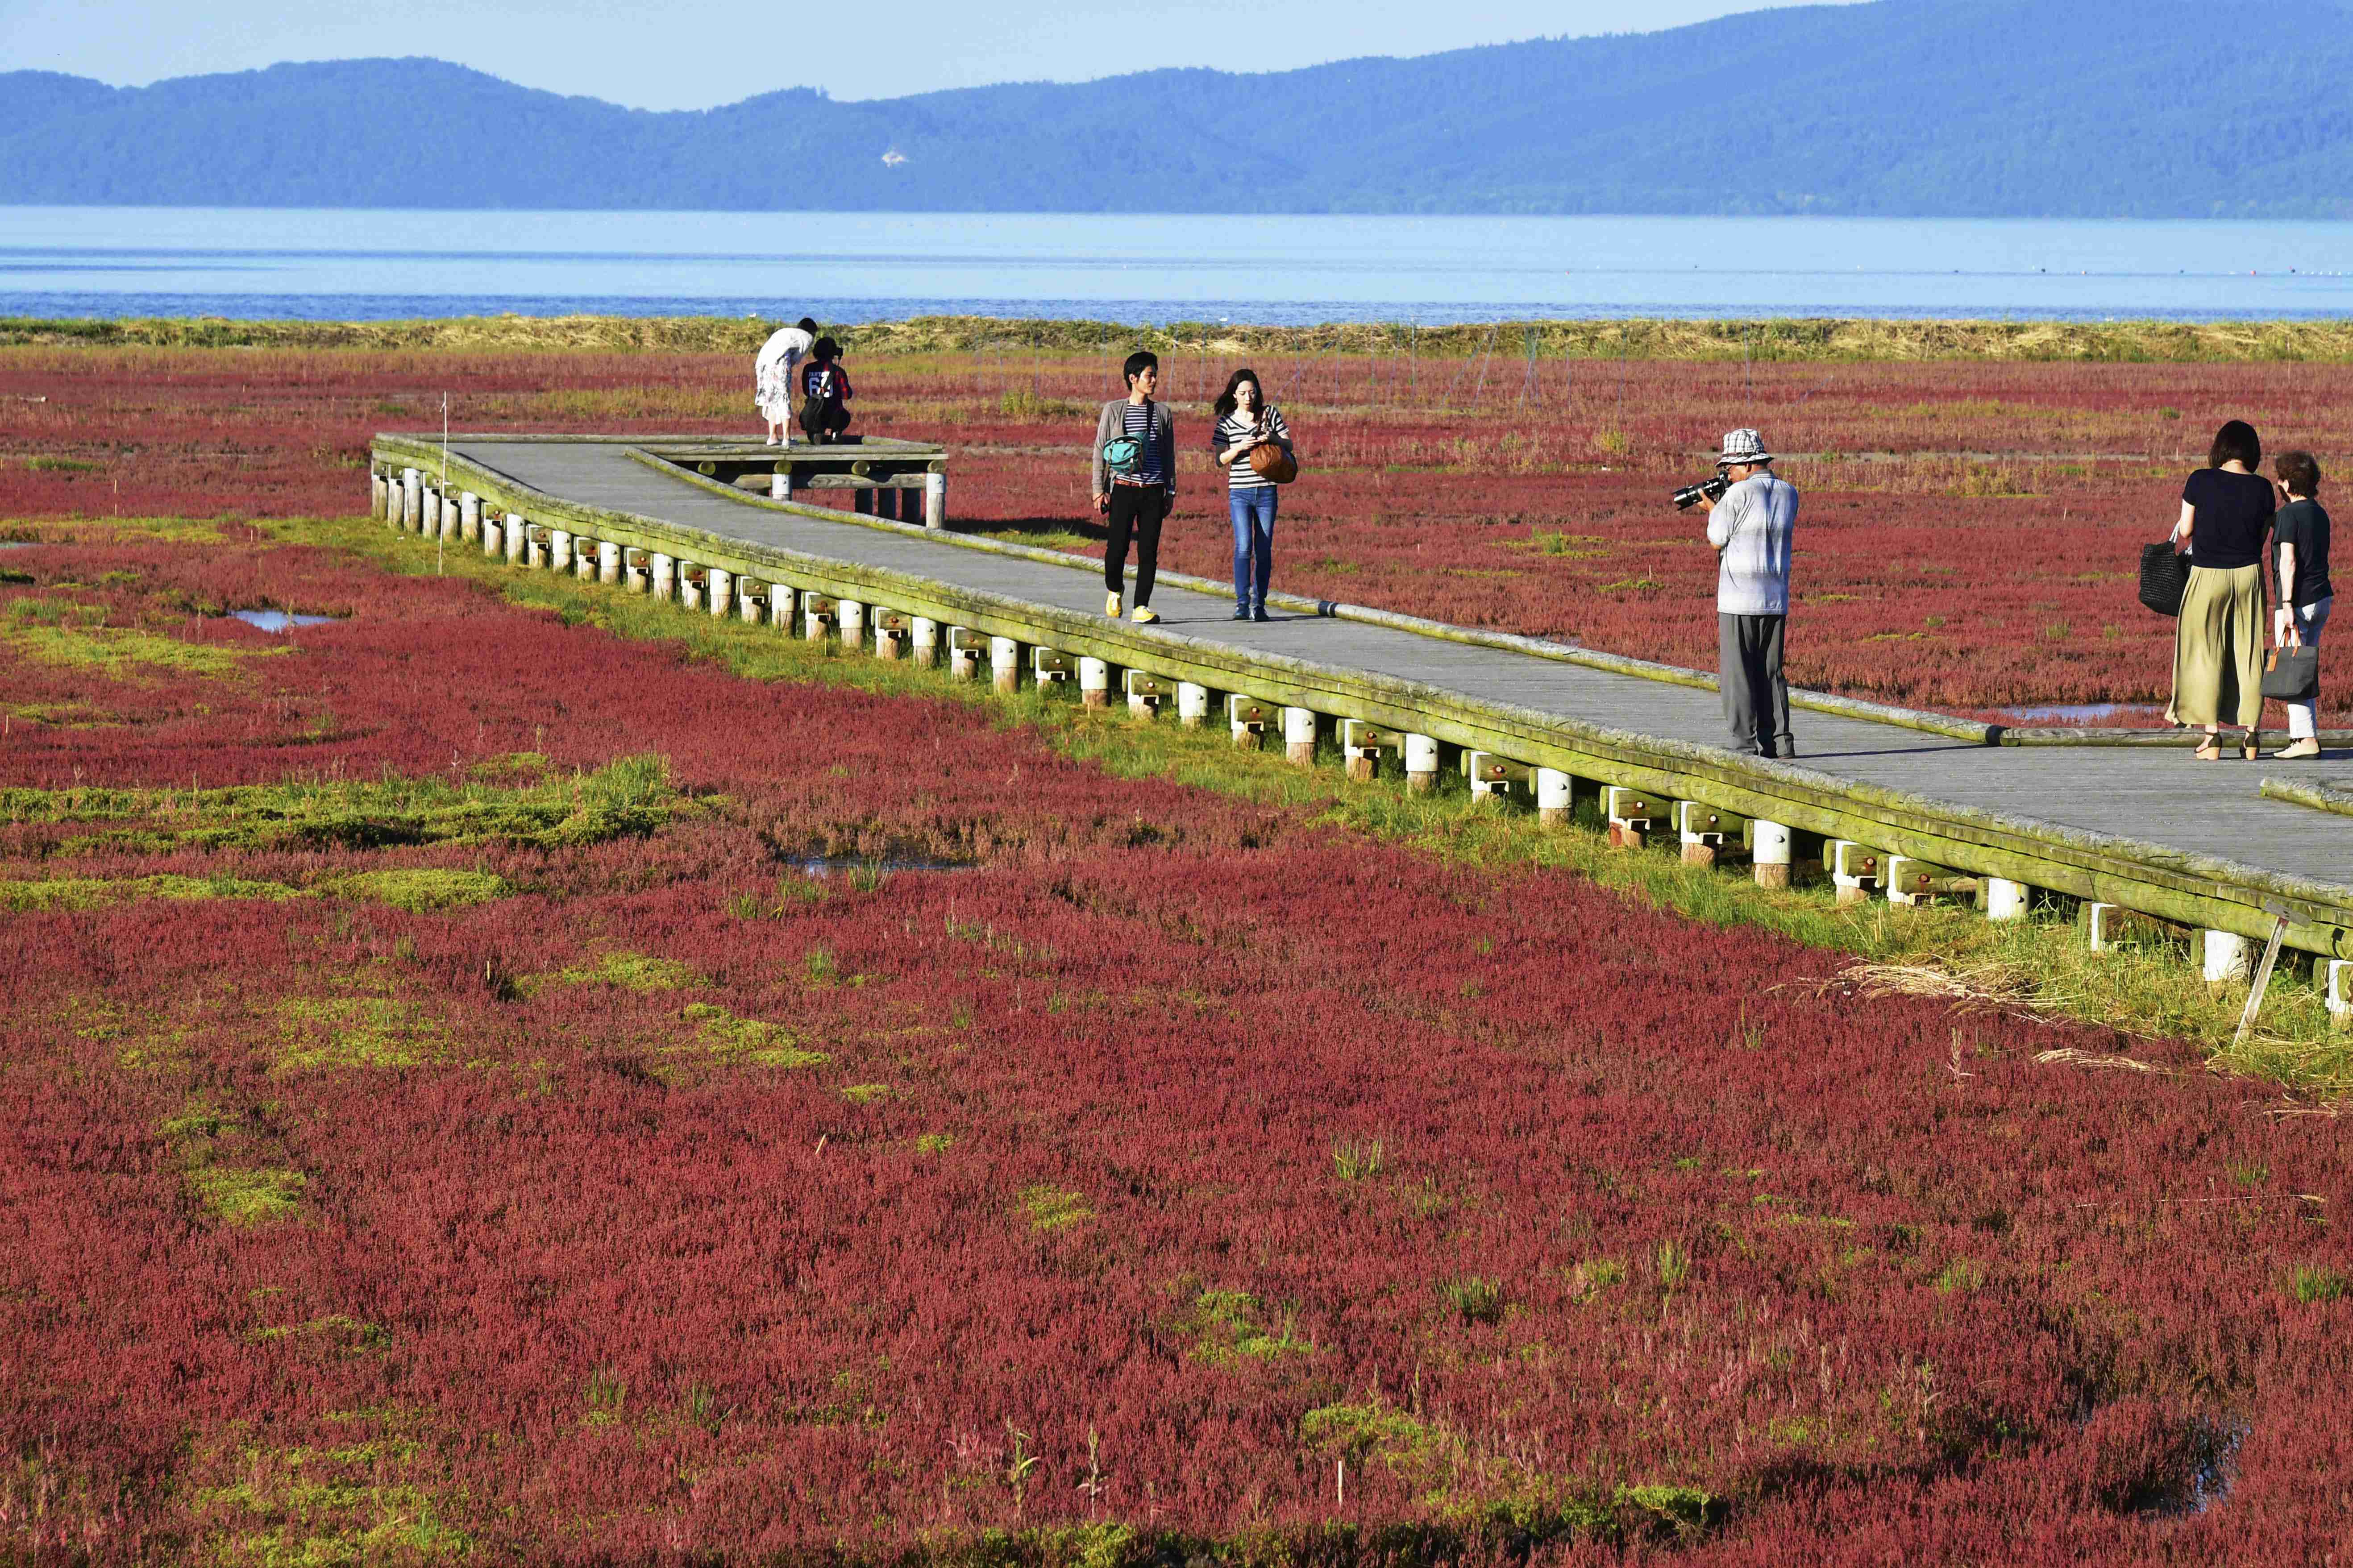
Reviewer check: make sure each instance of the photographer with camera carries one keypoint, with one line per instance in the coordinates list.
(1751, 513)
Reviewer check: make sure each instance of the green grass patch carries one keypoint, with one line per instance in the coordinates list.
(415, 890)
(333, 1034)
(750, 1042)
(632, 795)
(1227, 1327)
(1052, 1208)
(630, 970)
(243, 1197)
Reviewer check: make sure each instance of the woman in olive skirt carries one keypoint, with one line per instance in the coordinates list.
(2218, 643)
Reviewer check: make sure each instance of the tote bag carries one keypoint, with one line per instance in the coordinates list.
(2164, 578)
(2291, 674)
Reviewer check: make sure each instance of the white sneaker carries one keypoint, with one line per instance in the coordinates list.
(2307, 747)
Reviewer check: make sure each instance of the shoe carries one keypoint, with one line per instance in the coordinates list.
(772, 440)
(1111, 605)
(2210, 749)
(2307, 747)
(2252, 747)
(1144, 614)
(1240, 613)
(1261, 615)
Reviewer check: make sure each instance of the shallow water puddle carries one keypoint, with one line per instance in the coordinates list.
(279, 620)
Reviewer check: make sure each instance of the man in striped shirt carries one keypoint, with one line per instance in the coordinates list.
(1137, 502)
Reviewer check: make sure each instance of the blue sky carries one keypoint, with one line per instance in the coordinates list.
(692, 54)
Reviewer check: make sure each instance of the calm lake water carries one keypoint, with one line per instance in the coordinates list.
(365, 265)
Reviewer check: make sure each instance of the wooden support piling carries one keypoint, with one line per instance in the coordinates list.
(1094, 682)
(1632, 815)
(1707, 835)
(662, 582)
(1491, 777)
(751, 601)
(1912, 882)
(515, 533)
(1361, 744)
(819, 614)
(692, 579)
(1770, 851)
(924, 642)
(2336, 977)
(1145, 692)
(470, 517)
(1299, 736)
(2006, 900)
(852, 624)
(412, 500)
(935, 498)
(559, 551)
(1854, 868)
(2225, 956)
(1005, 664)
(1048, 666)
(719, 591)
(1247, 719)
(608, 562)
(890, 632)
(1421, 763)
(379, 496)
(1192, 704)
(1556, 798)
(966, 649)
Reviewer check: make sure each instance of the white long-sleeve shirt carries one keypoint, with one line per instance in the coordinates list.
(1750, 529)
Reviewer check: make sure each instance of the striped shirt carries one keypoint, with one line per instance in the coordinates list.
(1135, 420)
(1233, 428)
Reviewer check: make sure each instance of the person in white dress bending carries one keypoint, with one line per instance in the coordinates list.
(772, 377)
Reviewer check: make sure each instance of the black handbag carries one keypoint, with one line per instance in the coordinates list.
(2291, 674)
(2164, 578)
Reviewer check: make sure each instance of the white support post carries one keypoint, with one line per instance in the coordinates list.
(1769, 853)
(584, 558)
(2006, 900)
(664, 585)
(1555, 800)
(924, 642)
(608, 561)
(559, 551)
(470, 517)
(1046, 666)
(1246, 719)
(1421, 763)
(816, 616)
(449, 511)
(518, 537)
(2336, 975)
(852, 624)
(2228, 956)
(780, 483)
(1299, 736)
(1005, 664)
(493, 535)
(720, 591)
(690, 589)
(1192, 704)
(1094, 682)
(412, 500)
(1145, 693)
(379, 496)
(2103, 924)
(935, 500)
(751, 601)
(431, 527)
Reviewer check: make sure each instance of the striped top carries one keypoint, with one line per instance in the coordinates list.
(1135, 420)
(1232, 428)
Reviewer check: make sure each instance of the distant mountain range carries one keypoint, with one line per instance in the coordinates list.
(1961, 108)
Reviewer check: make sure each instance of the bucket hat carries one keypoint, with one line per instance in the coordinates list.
(1743, 447)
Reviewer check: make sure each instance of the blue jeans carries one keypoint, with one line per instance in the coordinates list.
(1253, 511)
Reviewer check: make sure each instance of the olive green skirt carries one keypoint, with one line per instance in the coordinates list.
(2218, 649)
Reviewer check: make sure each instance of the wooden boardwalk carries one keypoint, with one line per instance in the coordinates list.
(2145, 828)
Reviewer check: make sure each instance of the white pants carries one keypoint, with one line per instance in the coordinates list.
(2302, 718)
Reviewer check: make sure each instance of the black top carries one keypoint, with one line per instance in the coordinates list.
(2305, 524)
(2234, 512)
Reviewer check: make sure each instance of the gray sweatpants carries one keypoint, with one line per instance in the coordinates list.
(1755, 698)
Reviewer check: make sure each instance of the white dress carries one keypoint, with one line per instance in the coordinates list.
(772, 373)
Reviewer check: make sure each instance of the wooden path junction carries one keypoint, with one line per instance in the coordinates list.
(1888, 801)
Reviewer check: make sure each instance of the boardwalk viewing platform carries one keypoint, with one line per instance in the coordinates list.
(1888, 801)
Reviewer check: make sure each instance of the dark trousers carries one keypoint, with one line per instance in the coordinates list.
(821, 421)
(1755, 698)
(1137, 511)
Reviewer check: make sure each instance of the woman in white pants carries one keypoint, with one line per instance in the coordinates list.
(2301, 537)
(772, 378)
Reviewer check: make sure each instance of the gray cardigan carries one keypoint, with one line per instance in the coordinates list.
(1163, 438)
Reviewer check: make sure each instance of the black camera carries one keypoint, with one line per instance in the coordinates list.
(1707, 489)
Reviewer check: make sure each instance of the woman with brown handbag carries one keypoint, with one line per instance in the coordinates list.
(1253, 443)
